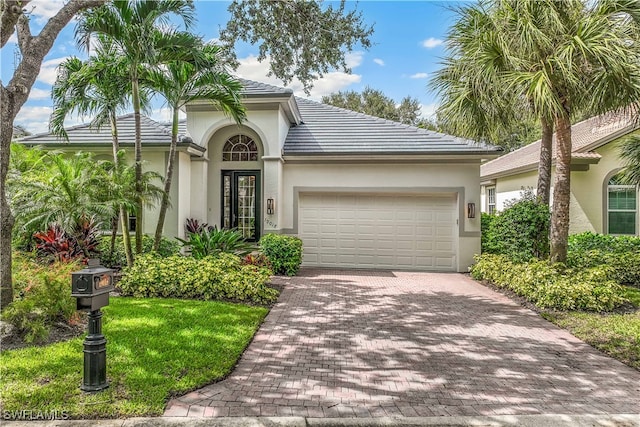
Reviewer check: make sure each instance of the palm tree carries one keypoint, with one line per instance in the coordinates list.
(179, 82)
(134, 28)
(630, 154)
(476, 74)
(97, 87)
(563, 57)
(63, 191)
(121, 196)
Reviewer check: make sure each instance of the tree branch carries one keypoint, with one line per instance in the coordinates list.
(24, 33)
(10, 12)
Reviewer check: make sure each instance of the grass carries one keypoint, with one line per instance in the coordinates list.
(617, 335)
(156, 348)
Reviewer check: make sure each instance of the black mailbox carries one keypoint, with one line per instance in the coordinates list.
(91, 286)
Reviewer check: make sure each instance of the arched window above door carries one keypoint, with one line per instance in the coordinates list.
(622, 206)
(240, 148)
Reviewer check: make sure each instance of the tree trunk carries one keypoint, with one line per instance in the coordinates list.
(544, 166)
(6, 218)
(115, 145)
(167, 180)
(13, 97)
(135, 89)
(126, 238)
(561, 191)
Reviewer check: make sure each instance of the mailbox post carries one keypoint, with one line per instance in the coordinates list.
(91, 287)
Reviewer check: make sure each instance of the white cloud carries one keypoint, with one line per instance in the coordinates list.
(34, 119)
(428, 111)
(353, 59)
(431, 42)
(331, 82)
(419, 76)
(379, 61)
(49, 70)
(164, 115)
(39, 94)
(43, 10)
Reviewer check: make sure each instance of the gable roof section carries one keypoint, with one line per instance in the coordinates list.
(253, 89)
(153, 133)
(329, 130)
(586, 136)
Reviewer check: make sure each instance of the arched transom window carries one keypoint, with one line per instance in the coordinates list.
(240, 148)
(622, 206)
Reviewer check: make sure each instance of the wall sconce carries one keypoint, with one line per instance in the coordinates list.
(471, 210)
(271, 206)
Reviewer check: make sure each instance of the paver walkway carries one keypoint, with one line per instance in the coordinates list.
(370, 344)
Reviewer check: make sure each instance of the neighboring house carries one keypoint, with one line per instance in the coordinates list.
(599, 201)
(360, 191)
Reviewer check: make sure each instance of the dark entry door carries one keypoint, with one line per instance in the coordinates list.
(241, 202)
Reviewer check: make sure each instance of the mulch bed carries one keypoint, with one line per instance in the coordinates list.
(58, 333)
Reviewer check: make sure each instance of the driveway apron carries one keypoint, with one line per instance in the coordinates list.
(376, 343)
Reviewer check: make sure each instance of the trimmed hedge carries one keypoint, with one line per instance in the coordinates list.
(552, 286)
(167, 248)
(284, 253)
(621, 254)
(222, 277)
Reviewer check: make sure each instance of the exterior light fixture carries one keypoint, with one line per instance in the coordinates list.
(271, 206)
(471, 210)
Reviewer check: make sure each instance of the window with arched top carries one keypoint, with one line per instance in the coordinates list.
(240, 148)
(622, 206)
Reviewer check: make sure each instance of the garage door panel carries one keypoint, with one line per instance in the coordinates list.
(378, 231)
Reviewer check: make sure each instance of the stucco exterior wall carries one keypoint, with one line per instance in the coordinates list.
(588, 190)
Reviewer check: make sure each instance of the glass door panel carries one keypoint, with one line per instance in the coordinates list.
(241, 202)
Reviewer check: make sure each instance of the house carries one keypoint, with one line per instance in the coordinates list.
(360, 191)
(600, 202)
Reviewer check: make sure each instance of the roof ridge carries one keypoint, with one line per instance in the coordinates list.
(265, 85)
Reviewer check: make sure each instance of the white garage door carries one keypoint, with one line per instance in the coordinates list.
(378, 231)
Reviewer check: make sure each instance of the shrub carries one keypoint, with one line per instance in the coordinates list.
(220, 277)
(42, 296)
(118, 258)
(620, 253)
(520, 231)
(589, 241)
(56, 244)
(206, 241)
(259, 260)
(284, 253)
(552, 286)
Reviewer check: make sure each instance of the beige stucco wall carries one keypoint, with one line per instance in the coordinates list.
(417, 178)
(588, 190)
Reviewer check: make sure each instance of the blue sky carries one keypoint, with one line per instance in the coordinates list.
(407, 48)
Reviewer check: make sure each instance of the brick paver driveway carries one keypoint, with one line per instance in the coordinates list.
(367, 344)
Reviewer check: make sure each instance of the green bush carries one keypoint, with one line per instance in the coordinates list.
(520, 231)
(42, 296)
(284, 253)
(206, 241)
(552, 286)
(167, 248)
(589, 241)
(620, 253)
(222, 277)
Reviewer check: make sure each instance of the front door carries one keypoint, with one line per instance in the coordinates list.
(241, 202)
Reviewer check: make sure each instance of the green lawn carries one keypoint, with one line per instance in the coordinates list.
(618, 335)
(156, 348)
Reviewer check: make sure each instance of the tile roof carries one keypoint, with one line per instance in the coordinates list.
(253, 88)
(586, 136)
(152, 133)
(331, 130)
